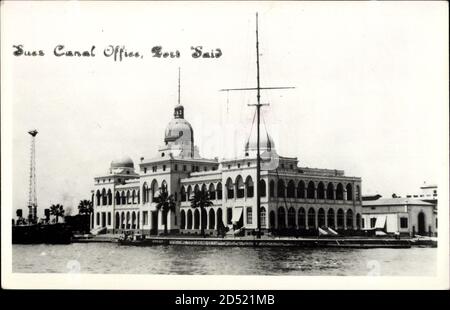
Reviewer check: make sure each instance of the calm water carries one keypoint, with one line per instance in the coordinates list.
(197, 260)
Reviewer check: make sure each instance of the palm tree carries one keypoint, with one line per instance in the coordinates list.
(20, 219)
(201, 200)
(85, 207)
(57, 210)
(166, 203)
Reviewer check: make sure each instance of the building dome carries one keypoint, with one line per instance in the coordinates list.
(178, 128)
(266, 142)
(179, 136)
(124, 162)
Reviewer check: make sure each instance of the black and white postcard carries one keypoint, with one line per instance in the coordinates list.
(226, 145)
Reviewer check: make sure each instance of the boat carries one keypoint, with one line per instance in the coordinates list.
(130, 238)
(57, 233)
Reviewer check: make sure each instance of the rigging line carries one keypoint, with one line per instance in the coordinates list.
(251, 128)
(264, 122)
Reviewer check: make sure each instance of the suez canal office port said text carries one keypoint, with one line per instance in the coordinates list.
(226, 299)
(116, 52)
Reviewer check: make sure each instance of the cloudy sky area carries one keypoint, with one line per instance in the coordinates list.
(371, 93)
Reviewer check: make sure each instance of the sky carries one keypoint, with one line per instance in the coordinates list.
(370, 97)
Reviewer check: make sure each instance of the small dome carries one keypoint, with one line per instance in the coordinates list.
(265, 143)
(124, 162)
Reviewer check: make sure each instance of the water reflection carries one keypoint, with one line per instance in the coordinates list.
(202, 260)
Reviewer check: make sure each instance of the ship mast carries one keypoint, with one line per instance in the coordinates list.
(258, 106)
(258, 158)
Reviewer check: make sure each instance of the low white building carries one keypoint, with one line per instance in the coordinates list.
(407, 216)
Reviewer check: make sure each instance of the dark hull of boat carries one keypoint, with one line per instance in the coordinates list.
(145, 242)
(34, 234)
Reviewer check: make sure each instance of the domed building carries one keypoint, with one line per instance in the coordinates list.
(295, 200)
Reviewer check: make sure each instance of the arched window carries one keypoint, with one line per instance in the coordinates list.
(204, 218)
(212, 192)
(144, 193)
(229, 215)
(339, 192)
(262, 188)
(340, 219)
(219, 191)
(182, 219)
(358, 221)
(349, 219)
(330, 191)
(250, 188)
(189, 219)
(281, 218)
(291, 189)
(117, 198)
(272, 219)
(128, 220)
(281, 189)
(204, 189)
(219, 218)
(330, 218)
(122, 220)
(272, 188)
(154, 188)
(249, 215)
(124, 198)
(358, 193)
(196, 188)
(128, 197)
(133, 197)
(311, 218)
(109, 197)
(189, 193)
(212, 218)
(291, 217)
(138, 195)
(320, 191)
(301, 190)
(196, 219)
(311, 190)
(349, 190)
(104, 198)
(230, 190)
(321, 217)
(263, 217)
(117, 224)
(239, 187)
(183, 194)
(301, 218)
(133, 222)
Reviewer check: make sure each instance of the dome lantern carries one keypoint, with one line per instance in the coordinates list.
(179, 111)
